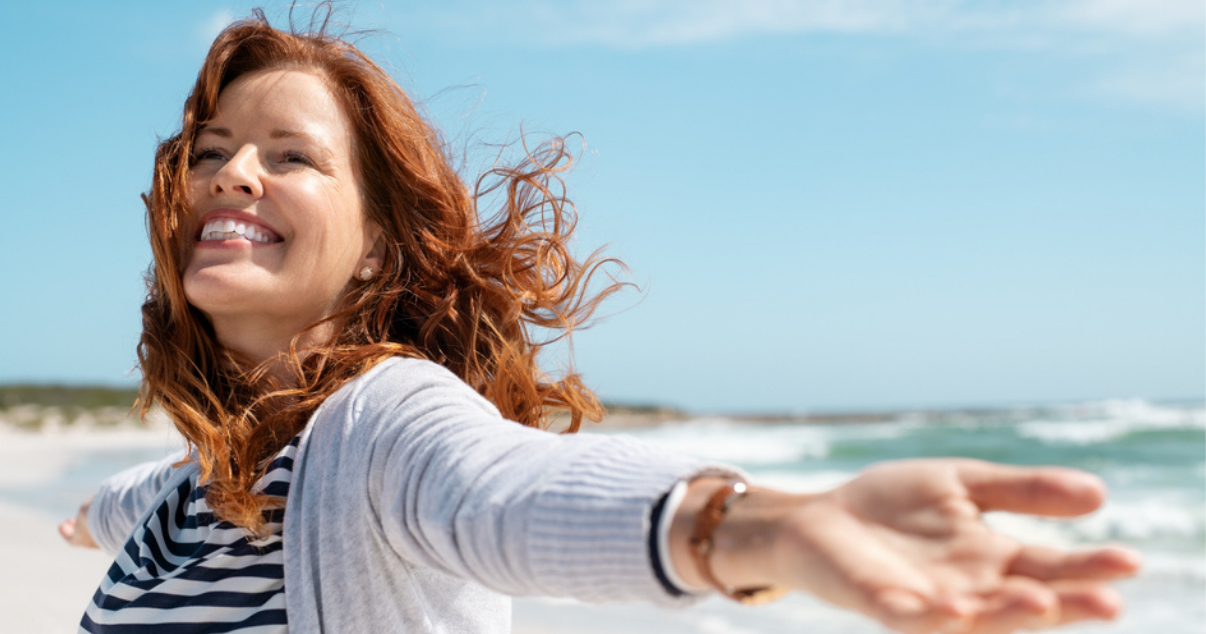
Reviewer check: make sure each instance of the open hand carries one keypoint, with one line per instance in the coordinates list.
(75, 530)
(904, 544)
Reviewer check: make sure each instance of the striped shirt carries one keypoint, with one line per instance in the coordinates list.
(182, 570)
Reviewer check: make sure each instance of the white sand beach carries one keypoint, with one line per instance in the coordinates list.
(49, 582)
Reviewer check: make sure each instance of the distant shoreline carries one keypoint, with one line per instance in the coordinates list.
(40, 407)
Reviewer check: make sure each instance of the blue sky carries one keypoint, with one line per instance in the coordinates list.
(827, 205)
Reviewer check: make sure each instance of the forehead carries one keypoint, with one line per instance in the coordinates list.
(289, 100)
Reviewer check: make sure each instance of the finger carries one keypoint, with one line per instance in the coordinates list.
(1049, 564)
(1083, 601)
(1019, 603)
(1053, 491)
(905, 611)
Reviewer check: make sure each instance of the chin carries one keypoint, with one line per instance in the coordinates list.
(218, 294)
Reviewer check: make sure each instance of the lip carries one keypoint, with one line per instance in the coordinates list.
(239, 216)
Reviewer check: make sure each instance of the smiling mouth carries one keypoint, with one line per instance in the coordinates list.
(228, 229)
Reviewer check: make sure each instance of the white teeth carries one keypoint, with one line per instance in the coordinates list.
(227, 229)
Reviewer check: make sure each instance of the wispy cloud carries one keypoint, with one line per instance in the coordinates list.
(1134, 17)
(651, 23)
(1152, 49)
(1168, 80)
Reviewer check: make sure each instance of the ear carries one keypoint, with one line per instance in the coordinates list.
(374, 258)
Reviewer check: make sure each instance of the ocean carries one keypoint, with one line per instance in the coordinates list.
(1152, 456)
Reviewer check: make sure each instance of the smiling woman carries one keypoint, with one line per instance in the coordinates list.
(276, 198)
(345, 340)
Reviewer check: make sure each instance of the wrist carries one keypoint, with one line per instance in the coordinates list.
(746, 552)
(681, 526)
(735, 535)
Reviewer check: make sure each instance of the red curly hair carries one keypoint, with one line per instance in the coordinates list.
(460, 287)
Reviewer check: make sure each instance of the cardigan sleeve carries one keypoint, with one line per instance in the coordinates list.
(523, 511)
(123, 498)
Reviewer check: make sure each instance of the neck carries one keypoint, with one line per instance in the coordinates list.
(262, 341)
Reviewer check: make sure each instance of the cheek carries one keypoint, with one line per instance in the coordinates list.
(196, 187)
(187, 219)
(348, 222)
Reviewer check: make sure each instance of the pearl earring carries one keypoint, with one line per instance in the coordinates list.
(366, 274)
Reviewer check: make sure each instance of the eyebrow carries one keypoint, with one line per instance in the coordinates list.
(214, 130)
(278, 133)
(291, 134)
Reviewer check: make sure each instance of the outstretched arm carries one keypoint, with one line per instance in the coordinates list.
(106, 520)
(904, 544)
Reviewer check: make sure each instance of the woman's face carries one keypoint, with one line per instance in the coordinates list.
(278, 228)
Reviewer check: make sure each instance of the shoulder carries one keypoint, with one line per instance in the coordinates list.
(397, 415)
(399, 379)
(401, 389)
(408, 373)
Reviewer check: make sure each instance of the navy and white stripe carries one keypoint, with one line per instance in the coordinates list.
(183, 571)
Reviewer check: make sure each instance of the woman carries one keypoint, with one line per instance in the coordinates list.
(345, 346)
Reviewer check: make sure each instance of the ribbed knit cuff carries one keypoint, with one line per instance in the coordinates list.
(589, 530)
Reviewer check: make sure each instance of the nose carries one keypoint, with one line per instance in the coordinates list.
(239, 176)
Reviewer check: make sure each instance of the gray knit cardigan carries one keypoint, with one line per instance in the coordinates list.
(415, 507)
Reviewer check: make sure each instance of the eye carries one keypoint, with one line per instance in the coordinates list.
(206, 154)
(297, 158)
